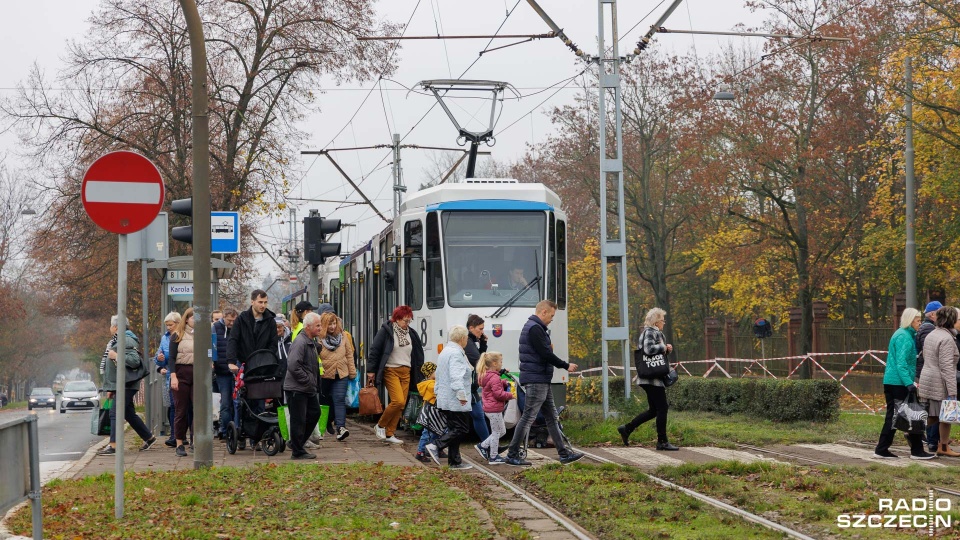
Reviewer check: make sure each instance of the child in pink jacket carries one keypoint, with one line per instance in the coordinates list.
(495, 397)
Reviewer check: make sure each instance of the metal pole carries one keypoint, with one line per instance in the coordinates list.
(149, 402)
(396, 175)
(911, 250)
(36, 488)
(613, 248)
(202, 341)
(120, 404)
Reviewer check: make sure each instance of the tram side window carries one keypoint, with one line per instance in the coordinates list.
(551, 259)
(335, 295)
(434, 266)
(413, 264)
(561, 265)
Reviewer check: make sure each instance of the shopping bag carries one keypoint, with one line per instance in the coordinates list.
(650, 367)
(412, 409)
(432, 418)
(283, 418)
(370, 401)
(100, 419)
(324, 417)
(353, 392)
(512, 414)
(909, 416)
(950, 411)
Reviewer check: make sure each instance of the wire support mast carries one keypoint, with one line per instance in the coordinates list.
(556, 29)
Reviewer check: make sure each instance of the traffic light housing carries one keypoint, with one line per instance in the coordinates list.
(315, 247)
(184, 207)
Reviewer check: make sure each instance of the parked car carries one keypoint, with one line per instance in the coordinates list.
(78, 395)
(42, 397)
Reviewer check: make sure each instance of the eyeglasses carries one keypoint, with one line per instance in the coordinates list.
(408, 321)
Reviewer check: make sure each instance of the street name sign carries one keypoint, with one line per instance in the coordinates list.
(122, 192)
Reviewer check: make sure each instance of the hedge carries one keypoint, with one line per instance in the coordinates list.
(779, 400)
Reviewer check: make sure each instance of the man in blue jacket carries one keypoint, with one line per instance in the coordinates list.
(536, 372)
(222, 370)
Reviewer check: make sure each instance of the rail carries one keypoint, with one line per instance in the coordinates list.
(761, 365)
(20, 448)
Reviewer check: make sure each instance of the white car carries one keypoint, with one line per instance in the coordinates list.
(78, 395)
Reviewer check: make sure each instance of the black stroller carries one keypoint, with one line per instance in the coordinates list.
(261, 381)
(538, 431)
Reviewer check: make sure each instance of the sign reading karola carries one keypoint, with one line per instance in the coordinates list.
(122, 192)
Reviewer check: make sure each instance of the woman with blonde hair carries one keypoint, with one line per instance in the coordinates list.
(336, 356)
(181, 377)
(652, 343)
(898, 383)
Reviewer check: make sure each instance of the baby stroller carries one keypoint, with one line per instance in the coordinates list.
(259, 380)
(538, 431)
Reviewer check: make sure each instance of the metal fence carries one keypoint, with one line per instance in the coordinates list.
(20, 481)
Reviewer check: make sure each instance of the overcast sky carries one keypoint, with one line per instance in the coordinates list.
(37, 31)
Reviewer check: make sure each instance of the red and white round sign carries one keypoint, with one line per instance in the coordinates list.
(122, 192)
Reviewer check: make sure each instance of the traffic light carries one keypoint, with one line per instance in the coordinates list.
(315, 247)
(184, 207)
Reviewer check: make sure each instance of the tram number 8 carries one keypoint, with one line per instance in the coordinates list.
(423, 332)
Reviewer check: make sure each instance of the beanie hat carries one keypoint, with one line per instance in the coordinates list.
(428, 368)
(932, 306)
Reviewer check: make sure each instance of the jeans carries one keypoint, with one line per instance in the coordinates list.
(458, 427)
(933, 435)
(171, 413)
(397, 381)
(131, 416)
(657, 400)
(479, 421)
(426, 438)
(304, 413)
(338, 394)
(539, 399)
(225, 382)
(895, 392)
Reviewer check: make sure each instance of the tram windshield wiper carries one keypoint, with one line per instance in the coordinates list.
(516, 296)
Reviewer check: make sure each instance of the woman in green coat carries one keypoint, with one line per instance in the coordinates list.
(898, 384)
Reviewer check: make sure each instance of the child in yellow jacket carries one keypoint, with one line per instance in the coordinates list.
(430, 417)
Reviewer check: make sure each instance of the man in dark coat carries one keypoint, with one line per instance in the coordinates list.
(536, 373)
(255, 329)
(302, 385)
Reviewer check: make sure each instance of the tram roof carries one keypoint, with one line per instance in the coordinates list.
(485, 194)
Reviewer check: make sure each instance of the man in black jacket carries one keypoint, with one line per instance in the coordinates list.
(222, 370)
(927, 326)
(302, 385)
(536, 373)
(255, 329)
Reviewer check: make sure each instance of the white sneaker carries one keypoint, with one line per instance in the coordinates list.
(380, 432)
(393, 439)
(310, 444)
(433, 452)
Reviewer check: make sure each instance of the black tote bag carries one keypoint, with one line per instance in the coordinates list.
(651, 367)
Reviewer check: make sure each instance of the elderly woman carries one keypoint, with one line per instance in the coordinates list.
(898, 383)
(652, 342)
(163, 352)
(336, 355)
(453, 375)
(395, 357)
(938, 379)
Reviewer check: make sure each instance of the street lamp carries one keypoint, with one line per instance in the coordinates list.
(724, 94)
(28, 212)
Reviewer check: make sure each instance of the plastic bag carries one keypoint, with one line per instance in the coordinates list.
(353, 392)
(910, 416)
(950, 411)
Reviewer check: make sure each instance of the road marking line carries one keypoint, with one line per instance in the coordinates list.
(63, 454)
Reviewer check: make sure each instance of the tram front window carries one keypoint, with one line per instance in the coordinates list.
(489, 256)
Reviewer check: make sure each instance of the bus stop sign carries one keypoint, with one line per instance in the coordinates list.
(122, 192)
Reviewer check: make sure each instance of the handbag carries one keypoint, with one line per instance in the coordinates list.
(134, 374)
(100, 420)
(670, 378)
(370, 401)
(950, 411)
(650, 367)
(910, 416)
(432, 418)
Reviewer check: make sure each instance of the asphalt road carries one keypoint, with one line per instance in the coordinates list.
(64, 438)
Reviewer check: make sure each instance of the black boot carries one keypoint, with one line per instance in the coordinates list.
(624, 434)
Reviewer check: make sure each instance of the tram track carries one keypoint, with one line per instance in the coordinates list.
(577, 531)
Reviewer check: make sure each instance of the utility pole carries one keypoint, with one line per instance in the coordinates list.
(911, 195)
(398, 187)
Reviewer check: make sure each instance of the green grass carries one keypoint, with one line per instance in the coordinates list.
(15, 405)
(267, 501)
(585, 426)
(811, 498)
(614, 502)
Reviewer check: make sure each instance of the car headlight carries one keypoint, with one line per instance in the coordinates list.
(52, 399)
(33, 400)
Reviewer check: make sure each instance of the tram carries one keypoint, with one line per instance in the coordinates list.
(490, 247)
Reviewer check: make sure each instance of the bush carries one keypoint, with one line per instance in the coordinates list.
(779, 400)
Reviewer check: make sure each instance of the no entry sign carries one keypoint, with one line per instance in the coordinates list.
(122, 192)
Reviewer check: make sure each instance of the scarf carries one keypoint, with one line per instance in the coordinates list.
(332, 342)
(403, 335)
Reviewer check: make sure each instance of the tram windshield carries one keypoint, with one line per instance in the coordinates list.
(492, 255)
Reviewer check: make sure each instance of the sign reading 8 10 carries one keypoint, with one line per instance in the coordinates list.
(179, 275)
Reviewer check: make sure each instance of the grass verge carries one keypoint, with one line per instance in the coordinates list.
(615, 502)
(810, 498)
(584, 424)
(268, 502)
(14, 405)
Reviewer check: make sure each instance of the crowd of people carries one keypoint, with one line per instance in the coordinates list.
(317, 358)
(922, 364)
